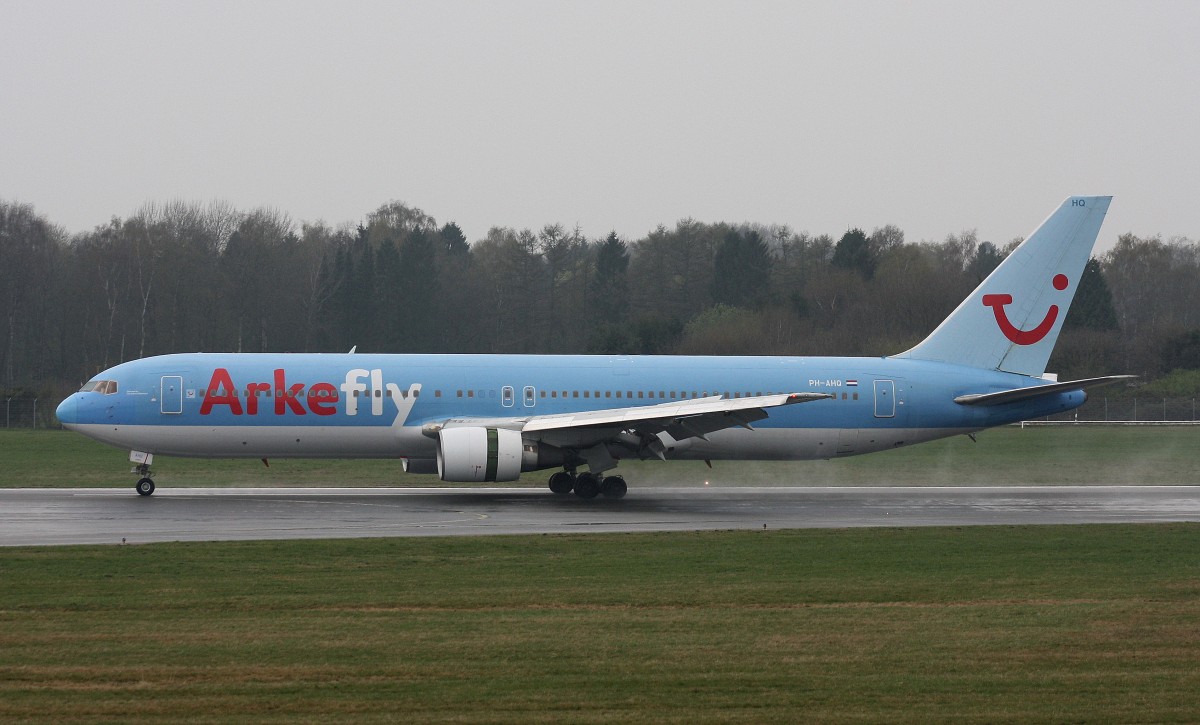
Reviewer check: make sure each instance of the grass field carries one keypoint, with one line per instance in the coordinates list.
(983, 625)
(1059, 455)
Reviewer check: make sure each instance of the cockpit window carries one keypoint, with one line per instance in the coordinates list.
(107, 387)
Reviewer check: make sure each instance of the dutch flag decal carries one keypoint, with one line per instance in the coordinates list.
(852, 383)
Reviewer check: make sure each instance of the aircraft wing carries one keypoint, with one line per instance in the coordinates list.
(1035, 391)
(698, 412)
(637, 428)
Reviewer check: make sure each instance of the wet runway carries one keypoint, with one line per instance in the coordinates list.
(98, 516)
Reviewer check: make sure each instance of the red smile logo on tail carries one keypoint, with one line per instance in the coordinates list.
(1016, 334)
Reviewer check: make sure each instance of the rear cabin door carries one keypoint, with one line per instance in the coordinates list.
(885, 399)
(170, 394)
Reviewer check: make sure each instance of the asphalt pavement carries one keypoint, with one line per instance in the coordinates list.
(110, 516)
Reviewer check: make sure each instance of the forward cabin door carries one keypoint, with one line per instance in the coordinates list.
(170, 394)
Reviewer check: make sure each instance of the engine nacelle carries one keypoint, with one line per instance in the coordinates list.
(419, 465)
(472, 455)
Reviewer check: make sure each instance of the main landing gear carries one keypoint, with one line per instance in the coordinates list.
(588, 485)
(145, 484)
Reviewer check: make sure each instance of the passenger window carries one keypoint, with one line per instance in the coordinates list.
(470, 393)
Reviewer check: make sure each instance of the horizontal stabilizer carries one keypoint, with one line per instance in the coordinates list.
(1036, 391)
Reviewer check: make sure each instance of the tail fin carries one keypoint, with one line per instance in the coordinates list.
(1012, 320)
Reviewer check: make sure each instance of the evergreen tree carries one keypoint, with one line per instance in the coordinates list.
(853, 251)
(1092, 308)
(454, 241)
(741, 270)
(610, 287)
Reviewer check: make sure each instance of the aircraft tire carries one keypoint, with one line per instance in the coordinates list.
(562, 483)
(613, 487)
(587, 485)
(145, 486)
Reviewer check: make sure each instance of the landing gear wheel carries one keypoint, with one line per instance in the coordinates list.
(562, 482)
(613, 487)
(145, 486)
(587, 485)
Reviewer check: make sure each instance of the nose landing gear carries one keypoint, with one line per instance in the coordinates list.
(145, 484)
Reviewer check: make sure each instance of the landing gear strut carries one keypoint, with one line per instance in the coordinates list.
(588, 485)
(145, 484)
(613, 487)
(562, 482)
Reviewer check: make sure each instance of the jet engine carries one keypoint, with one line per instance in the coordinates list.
(479, 454)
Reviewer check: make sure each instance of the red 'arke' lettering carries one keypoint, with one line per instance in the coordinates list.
(285, 396)
(220, 391)
(322, 397)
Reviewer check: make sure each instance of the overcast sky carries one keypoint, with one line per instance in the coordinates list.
(933, 116)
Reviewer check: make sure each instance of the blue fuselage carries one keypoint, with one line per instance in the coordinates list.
(342, 405)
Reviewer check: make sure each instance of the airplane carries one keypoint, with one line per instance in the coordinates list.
(477, 418)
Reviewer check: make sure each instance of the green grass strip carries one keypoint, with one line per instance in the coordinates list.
(975, 625)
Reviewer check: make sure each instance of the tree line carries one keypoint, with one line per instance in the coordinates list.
(181, 277)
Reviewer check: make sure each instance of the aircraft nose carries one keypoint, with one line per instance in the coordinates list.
(67, 411)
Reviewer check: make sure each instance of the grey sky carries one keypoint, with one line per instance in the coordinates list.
(934, 116)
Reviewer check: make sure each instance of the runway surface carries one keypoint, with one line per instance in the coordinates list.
(100, 516)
